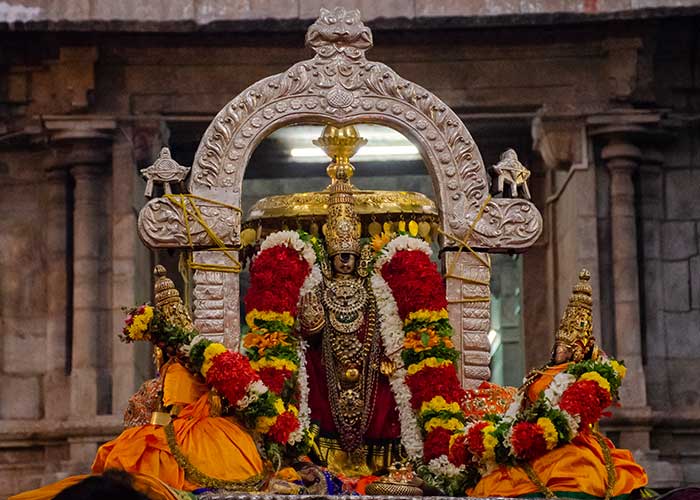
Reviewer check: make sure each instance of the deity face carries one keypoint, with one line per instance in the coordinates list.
(562, 354)
(344, 263)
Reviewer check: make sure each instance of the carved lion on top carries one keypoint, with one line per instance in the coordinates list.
(339, 31)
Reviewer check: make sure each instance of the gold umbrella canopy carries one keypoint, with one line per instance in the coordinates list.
(377, 210)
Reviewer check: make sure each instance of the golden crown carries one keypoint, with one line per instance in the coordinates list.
(342, 227)
(168, 300)
(576, 326)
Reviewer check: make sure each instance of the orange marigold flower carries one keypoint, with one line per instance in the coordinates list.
(262, 339)
(415, 340)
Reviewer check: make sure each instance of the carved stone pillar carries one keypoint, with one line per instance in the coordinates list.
(468, 297)
(85, 147)
(56, 385)
(622, 159)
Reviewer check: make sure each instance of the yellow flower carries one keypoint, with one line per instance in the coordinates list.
(379, 240)
(140, 323)
(293, 409)
(427, 362)
(425, 315)
(279, 406)
(490, 443)
(438, 403)
(283, 317)
(596, 377)
(209, 353)
(451, 425)
(278, 363)
(551, 436)
(263, 424)
(619, 368)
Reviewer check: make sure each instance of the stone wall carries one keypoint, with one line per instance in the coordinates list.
(186, 14)
(126, 92)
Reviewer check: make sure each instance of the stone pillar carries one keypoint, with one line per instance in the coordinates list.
(622, 159)
(651, 212)
(468, 297)
(85, 147)
(56, 385)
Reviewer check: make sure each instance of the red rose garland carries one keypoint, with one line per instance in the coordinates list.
(437, 443)
(475, 439)
(586, 399)
(528, 441)
(430, 381)
(275, 379)
(276, 276)
(414, 282)
(285, 424)
(230, 374)
(459, 452)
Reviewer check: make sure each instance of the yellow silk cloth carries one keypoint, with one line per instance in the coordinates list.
(217, 446)
(150, 486)
(575, 467)
(180, 387)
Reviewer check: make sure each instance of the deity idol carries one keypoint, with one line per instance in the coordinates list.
(355, 335)
(351, 400)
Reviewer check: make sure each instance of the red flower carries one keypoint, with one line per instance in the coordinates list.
(274, 379)
(231, 374)
(415, 282)
(528, 441)
(276, 276)
(475, 438)
(430, 382)
(459, 452)
(586, 399)
(436, 443)
(285, 424)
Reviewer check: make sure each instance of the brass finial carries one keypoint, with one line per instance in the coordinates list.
(576, 326)
(168, 300)
(340, 144)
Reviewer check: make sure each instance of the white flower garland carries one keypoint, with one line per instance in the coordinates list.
(403, 242)
(559, 384)
(391, 329)
(253, 392)
(304, 409)
(312, 281)
(442, 466)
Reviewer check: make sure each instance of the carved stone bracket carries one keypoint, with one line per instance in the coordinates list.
(162, 224)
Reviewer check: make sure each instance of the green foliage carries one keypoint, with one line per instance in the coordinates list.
(444, 414)
(411, 357)
(603, 369)
(197, 353)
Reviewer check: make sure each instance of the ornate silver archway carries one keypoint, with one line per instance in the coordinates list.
(340, 86)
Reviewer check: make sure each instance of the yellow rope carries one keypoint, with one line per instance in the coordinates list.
(469, 300)
(190, 211)
(462, 245)
(473, 281)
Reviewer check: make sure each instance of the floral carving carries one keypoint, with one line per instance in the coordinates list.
(162, 224)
